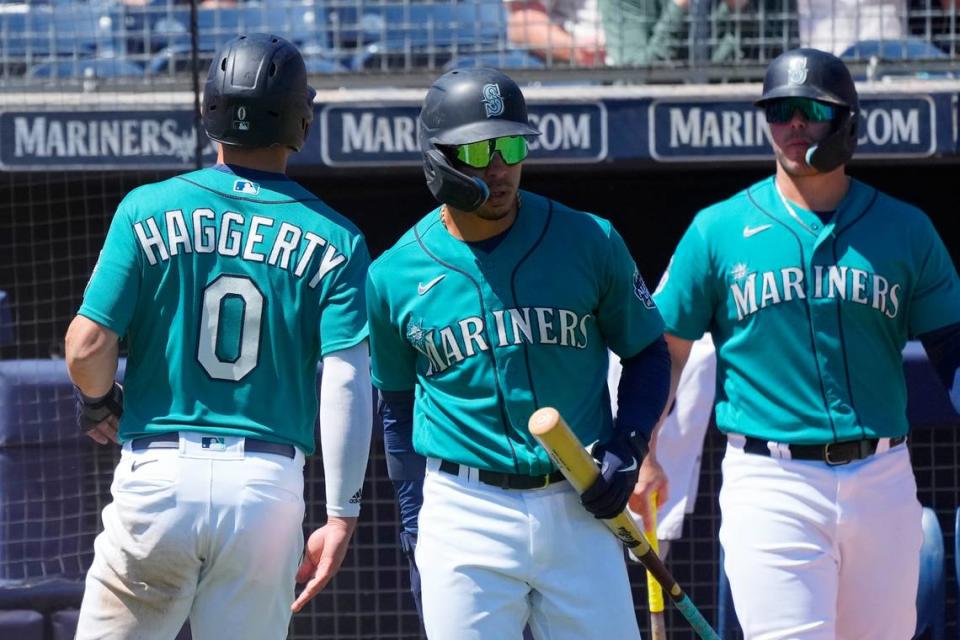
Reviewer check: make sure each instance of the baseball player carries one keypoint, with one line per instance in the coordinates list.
(228, 284)
(495, 304)
(810, 283)
(679, 440)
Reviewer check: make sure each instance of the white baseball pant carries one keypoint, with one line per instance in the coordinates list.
(491, 559)
(210, 534)
(815, 552)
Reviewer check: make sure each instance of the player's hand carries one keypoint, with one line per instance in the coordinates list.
(324, 553)
(99, 418)
(619, 466)
(651, 478)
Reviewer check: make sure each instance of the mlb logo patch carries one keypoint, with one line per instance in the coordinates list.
(214, 443)
(247, 187)
(241, 123)
(641, 291)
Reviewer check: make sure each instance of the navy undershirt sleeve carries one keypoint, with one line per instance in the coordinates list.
(943, 351)
(644, 389)
(404, 465)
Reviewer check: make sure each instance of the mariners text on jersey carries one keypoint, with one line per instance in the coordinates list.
(236, 235)
(525, 325)
(755, 291)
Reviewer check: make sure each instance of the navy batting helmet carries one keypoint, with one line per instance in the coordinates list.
(818, 75)
(257, 95)
(464, 106)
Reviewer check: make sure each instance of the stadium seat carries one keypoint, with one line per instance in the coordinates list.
(297, 23)
(317, 64)
(86, 68)
(42, 32)
(509, 59)
(64, 626)
(899, 49)
(53, 480)
(879, 51)
(136, 32)
(443, 34)
(21, 625)
(931, 592)
(36, 404)
(44, 595)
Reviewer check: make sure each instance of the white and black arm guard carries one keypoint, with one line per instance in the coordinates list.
(346, 421)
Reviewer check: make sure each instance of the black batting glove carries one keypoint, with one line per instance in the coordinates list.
(619, 460)
(93, 411)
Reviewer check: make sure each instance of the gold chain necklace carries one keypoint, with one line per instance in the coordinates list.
(444, 211)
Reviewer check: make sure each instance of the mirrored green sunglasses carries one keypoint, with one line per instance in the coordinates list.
(781, 111)
(513, 149)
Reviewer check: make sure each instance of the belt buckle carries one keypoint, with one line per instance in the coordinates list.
(829, 460)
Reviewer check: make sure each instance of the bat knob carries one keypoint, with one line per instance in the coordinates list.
(543, 420)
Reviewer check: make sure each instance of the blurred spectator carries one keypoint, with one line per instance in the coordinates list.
(746, 29)
(557, 30)
(835, 25)
(643, 31)
(640, 32)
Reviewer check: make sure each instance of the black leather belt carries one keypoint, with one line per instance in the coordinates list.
(833, 453)
(506, 480)
(172, 440)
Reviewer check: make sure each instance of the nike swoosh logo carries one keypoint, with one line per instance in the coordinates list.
(747, 231)
(423, 288)
(632, 467)
(136, 466)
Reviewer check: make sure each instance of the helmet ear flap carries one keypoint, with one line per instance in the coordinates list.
(450, 186)
(837, 148)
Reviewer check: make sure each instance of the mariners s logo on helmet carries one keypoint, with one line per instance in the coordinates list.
(797, 70)
(492, 100)
(640, 289)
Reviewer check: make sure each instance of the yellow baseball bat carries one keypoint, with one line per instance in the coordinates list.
(580, 469)
(658, 625)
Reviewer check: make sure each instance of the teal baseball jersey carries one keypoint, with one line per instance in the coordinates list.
(486, 338)
(228, 291)
(810, 319)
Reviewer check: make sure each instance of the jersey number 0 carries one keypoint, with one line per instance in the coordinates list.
(230, 324)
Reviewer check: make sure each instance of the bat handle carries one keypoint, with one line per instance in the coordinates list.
(658, 627)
